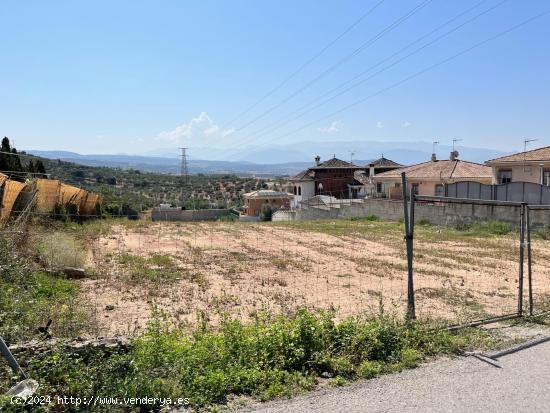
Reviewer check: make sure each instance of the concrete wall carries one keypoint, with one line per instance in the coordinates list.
(438, 214)
(176, 214)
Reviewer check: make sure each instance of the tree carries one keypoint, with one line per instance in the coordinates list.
(266, 213)
(5, 158)
(39, 166)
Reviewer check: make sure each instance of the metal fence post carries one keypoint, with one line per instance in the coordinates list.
(529, 258)
(409, 223)
(521, 258)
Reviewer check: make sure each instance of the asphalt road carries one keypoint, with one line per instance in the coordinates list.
(466, 384)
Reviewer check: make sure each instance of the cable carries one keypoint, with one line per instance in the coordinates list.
(305, 64)
(362, 47)
(421, 72)
(293, 116)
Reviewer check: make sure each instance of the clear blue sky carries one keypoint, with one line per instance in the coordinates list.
(132, 76)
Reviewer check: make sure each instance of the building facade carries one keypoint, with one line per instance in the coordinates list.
(530, 166)
(255, 201)
(429, 178)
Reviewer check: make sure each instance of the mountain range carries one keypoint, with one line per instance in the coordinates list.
(276, 160)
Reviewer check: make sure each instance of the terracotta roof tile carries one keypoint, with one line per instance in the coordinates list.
(267, 193)
(540, 154)
(383, 162)
(306, 175)
(335, 163)
(445, 169)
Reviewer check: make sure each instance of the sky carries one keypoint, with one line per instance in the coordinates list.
(135, 76)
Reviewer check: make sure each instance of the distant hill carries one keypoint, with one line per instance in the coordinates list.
(172, 165)
(273, 161)
(406, 153)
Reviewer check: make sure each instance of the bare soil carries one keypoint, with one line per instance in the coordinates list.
(195, 271)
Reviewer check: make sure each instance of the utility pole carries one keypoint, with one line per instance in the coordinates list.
(184, 173)
(351, 153)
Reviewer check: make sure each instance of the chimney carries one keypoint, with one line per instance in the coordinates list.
(433, 157)
(453, 156)
(317, 160)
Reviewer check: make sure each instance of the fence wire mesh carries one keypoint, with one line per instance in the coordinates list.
(195, 271)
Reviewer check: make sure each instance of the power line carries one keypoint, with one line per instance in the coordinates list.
(362, 47)
(306, 63)
(419, 73)
(286, 120)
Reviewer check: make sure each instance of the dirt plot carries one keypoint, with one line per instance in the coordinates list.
(197, 271)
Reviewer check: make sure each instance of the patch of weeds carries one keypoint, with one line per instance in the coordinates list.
(541, 233)
(59, 250)
(272, 357)
(29, 298)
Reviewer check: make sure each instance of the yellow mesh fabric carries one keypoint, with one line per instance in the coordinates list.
(47, 194)
(12, 189)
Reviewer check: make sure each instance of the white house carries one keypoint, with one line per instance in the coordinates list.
(303, 187)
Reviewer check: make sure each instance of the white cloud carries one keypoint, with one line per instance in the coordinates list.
(406, 124)
(228, 132)
(211, 130)
(379, 125)
(203, 123)
(332, 128)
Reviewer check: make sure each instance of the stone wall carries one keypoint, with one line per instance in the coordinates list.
(438, 214)
(176, 214)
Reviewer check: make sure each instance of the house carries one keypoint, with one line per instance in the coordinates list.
(338, 179)
(373, 168)
(333, 177)
(529, 166)
(255, 200)
(429, 178)
(303, 186)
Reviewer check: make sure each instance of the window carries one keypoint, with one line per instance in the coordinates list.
(546, 177)
(379, 187)
(299, 190)
(504, 176)
(295, 192)
(415, 189)
(439, 190)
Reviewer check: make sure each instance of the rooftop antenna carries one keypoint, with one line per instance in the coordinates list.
(455, 141)
(351, 153)
(525, 143)
(184, 172)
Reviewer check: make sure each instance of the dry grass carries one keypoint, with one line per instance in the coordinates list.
(192, 269)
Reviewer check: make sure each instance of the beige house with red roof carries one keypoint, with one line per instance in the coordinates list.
(429, 178)
(530, 166)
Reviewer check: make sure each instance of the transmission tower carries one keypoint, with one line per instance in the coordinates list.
(184, 173)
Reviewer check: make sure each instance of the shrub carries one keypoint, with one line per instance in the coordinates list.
(59, 250)
(266, 213)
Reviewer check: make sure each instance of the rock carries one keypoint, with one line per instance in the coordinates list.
(326, 375)
(74, 273)
(109, 307)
